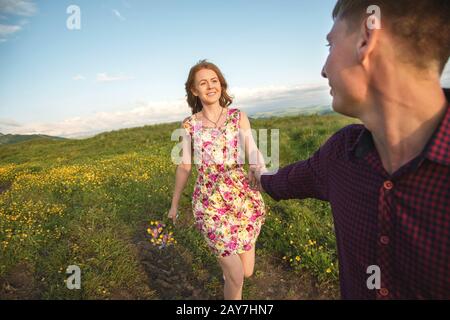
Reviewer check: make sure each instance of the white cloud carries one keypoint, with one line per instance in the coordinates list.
(104, 77)
(271, 98)
(118, 15)
(18, 7)
(15, 8)
(142, 113)
(78, 77)
(23, 22)
(8, 123)
(6, 30)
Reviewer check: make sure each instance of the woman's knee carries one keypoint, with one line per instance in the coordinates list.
(248, 263)
(233, 270)
(237, 278)
(248, 272)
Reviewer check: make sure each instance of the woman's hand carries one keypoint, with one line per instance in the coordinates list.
(254, 177)
(173, 214)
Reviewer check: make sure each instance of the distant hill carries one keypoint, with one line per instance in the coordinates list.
(15, 138)
(260, 112)
(319, 110)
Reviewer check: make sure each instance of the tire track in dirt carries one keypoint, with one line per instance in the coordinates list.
(19, 284)
(170, 272)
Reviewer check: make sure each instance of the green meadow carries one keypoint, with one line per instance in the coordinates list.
(90, 202)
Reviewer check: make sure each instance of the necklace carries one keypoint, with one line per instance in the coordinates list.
(215, 123)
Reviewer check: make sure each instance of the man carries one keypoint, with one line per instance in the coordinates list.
(388, 180)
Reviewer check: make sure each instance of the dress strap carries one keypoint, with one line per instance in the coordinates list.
(235, 117)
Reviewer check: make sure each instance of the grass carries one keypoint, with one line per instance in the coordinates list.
(85, 202)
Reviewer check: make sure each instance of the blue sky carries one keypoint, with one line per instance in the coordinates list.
(127, 64)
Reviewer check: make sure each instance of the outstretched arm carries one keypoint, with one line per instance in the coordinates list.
(256, 159)
(303, 179)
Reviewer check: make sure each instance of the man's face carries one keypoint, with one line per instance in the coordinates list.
(343, 70)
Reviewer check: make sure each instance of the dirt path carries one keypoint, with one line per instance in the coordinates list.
(19, 284)
(274, 280)
(171, 274)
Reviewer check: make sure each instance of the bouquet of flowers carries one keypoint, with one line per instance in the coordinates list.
(160, 234)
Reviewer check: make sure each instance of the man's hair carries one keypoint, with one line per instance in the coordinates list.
(422, 26)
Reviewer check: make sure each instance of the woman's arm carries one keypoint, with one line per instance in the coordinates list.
(256, 159)
(183, 172)
(252, 153)
(181, 178)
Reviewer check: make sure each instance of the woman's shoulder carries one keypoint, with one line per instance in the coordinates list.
(240, 114)
(235, 111)
(187, 123)
(190, 118)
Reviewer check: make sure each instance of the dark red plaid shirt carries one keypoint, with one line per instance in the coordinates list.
(398, 222)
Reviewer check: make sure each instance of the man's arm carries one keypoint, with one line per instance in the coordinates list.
(304, 179)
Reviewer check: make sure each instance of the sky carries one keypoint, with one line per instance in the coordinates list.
(127, 63)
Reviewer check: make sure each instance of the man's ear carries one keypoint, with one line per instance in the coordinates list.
(368, 39)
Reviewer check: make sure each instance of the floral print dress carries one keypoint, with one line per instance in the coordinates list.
(227, 211)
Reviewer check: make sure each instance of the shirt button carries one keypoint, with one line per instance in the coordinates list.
(388, 185)
(384, 292)
(384, 239)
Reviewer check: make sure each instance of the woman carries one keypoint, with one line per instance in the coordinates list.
(226, 210)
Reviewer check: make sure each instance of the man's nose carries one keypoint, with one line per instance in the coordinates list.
(324, 74)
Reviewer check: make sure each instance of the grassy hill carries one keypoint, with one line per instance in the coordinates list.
(90, 202)
(15, 138)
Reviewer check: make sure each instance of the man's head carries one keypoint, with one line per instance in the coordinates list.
(414, 37)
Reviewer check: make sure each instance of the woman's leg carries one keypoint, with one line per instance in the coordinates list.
(234, 274)
(248, 262)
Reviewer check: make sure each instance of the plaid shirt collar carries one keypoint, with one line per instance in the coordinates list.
(437, 148)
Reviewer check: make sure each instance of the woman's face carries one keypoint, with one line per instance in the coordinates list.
(207, 86)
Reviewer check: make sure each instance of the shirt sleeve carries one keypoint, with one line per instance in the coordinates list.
(306, 178)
